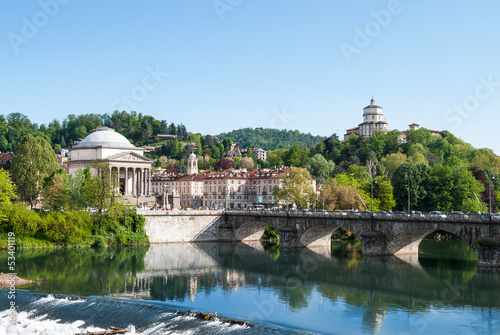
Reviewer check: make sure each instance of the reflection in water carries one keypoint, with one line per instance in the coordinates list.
(452, 261)
(303, 288)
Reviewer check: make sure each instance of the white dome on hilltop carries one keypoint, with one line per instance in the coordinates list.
(105, 137)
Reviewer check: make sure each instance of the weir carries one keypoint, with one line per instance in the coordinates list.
(388, 235)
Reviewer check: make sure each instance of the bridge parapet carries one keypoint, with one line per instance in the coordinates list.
(397, 216)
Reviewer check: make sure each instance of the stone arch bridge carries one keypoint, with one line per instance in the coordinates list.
(395, 234)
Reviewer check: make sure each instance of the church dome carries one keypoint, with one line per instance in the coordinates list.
(104, 137)
(192, 156)
(372, 104)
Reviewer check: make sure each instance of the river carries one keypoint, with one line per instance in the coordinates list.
(148, 290)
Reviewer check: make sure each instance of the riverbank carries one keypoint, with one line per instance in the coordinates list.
(6, 280)
(41, 242)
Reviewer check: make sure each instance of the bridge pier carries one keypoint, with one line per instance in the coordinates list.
(225, 232)
(289, 236)
(373, 243)
(488, 255)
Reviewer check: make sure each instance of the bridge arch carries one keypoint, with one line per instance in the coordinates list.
(319, 235)
(407, 242)
(251, 231)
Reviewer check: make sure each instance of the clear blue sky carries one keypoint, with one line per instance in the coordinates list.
(220, 65)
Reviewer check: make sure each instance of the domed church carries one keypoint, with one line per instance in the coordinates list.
(126, 160)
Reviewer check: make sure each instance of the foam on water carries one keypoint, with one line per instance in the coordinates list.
(57, 314)
(43, 325)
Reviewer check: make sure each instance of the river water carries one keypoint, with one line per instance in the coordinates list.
(149, 290)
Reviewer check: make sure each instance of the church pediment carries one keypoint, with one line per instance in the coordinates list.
(130, 157)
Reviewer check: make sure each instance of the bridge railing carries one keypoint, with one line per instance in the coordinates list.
(451, 217)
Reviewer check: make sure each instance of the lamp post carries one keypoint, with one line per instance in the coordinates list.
(491, 186)
(327, 178)
(371, 208)
(408, 188)
(287, 204)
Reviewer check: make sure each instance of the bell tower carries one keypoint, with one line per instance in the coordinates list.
(192, 164)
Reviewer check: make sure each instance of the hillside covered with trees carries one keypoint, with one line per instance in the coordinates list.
(270, 139)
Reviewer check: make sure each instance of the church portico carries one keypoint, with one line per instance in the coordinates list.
(133, 180)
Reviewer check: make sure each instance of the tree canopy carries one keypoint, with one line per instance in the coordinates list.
(33, 161)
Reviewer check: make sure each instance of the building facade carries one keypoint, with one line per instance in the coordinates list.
(126, 161)
(260, 153)
(224, 189)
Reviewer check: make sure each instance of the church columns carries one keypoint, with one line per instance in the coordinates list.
(150, 181)
(125, 186)
(141, 172)
(134, 180)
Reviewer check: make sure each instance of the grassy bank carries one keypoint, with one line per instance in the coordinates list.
(70, 229)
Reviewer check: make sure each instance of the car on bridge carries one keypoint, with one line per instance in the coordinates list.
(458, 215)
(412, 213)
(382, 213)
(436, 214)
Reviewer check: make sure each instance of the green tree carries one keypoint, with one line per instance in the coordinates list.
(455, 189)
(296, 188)
(320, 168)
(392, 161)
(416, 178)
(382, 192)
(54, 192)
(275, 157)
(296, 156)
(7, 188)
(33, 161)
(100, 187)
(75, 185)
(227, 143)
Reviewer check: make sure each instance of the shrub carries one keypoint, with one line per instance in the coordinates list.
(100, 242)
(486, 242)
(271, 234)
(23, 221)
(67, 227)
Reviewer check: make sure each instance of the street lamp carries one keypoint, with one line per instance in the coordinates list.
(408, 188)
(327, 178)
(491, 186)
(371, 208)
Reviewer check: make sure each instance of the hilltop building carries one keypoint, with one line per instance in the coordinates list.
(413, 126)
(260, 153)
(234, 152)
(373, 121)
